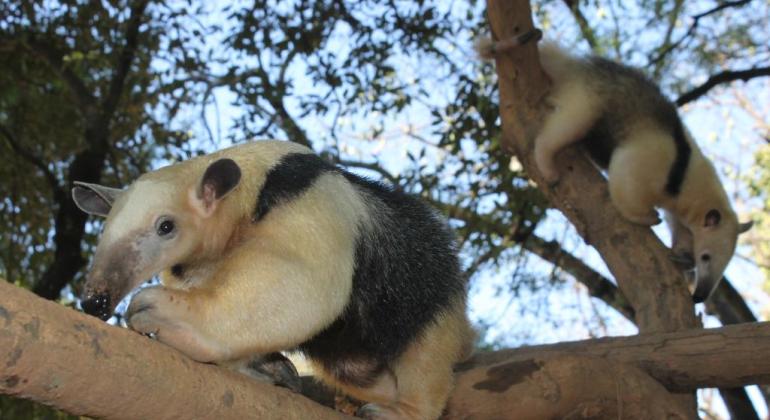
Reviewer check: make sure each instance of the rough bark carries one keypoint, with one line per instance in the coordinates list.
(556, 389)
(729, 306)
(60, 357)
(638, 260)
(636, 257)
(726, 303)
(682, 361)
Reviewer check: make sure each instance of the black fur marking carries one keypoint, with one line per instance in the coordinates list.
(679, 168)
(293, 174)
(631, 95)
(406, 272)
(222, 175)
(177, 270)
(599, 143)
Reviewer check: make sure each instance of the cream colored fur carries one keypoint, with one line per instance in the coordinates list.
(282, 291)
(640, 164)
(252, 288)
(421, 380)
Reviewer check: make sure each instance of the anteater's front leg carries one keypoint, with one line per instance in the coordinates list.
(261, 300)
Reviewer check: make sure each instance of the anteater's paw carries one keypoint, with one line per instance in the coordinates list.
(683, 260)
(163, 314)
(545, 164)
(373, 411)
(147, 312)
(650, 219)
(273, 368)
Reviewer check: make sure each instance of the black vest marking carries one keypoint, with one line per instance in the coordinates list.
(630, 96)
(679, 168)
(293, 174)
(599, 143)
(406, 272)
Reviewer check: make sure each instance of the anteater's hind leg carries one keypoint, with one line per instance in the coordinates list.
(638, 173)
(424, 374)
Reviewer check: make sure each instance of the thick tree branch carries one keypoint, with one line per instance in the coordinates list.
(63, 358)
(721, 78)
(564, 387)
(637, 259)
(683, 361)
(729, 306)
(66, 359)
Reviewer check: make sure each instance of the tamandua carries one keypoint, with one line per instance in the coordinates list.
(266, 247)
(630, 129)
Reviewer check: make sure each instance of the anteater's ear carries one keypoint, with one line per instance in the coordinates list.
(745, 226)
(220, 178)
(94, 198)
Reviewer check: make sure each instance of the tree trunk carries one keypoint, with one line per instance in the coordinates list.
(640, 263)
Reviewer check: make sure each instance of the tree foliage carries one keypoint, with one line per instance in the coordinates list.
(103, 91)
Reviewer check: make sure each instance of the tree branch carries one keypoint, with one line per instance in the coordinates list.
(30, 157)
(720, 78)
(730, 308)
(598, 286)
(63, 358)
(683, 361)
(55, 59)
(125, 59)
(369, 166)
(694, 25)
(637, 259)
(69, 360)
(673, 19)
(585, 27)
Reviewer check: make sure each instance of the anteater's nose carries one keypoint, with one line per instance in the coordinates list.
(97, 305)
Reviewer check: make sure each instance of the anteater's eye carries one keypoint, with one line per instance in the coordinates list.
(705, 257)
(165, 227)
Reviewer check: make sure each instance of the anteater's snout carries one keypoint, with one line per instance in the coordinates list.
(98, 305)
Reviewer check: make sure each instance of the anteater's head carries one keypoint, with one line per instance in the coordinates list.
(714, 242)
(151, 226)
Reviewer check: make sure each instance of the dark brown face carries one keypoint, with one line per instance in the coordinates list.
(109, 280)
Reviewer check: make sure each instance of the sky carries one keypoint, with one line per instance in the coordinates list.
(561, 311)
